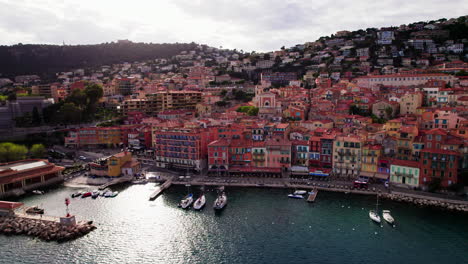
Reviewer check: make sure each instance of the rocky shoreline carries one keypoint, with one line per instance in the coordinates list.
(44, 230)
(426, 202)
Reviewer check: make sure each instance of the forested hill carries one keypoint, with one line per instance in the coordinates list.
(49, 59)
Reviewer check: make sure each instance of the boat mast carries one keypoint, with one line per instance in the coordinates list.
(377, 205)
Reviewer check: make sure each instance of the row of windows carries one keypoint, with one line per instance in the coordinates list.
(349, 144)
(407, 79)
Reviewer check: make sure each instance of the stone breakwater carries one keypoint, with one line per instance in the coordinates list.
(419, 201)
(45, 230)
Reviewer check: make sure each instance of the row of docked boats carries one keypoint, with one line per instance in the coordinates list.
(95, 194)
(200, 202)
(300, 194)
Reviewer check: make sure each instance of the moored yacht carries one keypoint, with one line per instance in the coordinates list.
(300, 192)
(200, 202)
(295, 196)
(388, 217)
(187, 201)
(374, 214)
(220, 202)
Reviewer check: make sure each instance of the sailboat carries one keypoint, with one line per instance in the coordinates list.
(374, 215)
(200, 202)
(187, 200)
(221, 201)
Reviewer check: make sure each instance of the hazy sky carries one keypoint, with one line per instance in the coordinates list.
(258, 25)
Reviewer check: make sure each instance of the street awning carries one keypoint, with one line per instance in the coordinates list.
(382, 176)
(367, 174)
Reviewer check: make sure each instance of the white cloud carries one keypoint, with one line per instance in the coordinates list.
(249, 25)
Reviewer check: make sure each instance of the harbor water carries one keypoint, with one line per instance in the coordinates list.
(257, 226)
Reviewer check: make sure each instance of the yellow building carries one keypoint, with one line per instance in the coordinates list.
(347, 156)
(109, 136)
(203, 108)
(410, 103)
(116, 162)
(405, 139)
(370, 159)
(392, 127)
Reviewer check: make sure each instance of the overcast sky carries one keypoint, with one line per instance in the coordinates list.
(258, 25)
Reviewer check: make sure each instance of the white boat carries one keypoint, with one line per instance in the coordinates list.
(187, 201)
(296, 196)
(199, 203)
(95, 194)
(110, 194)
(38, 192)
(300, 192)
(373, 214)
(388, 217)
(220, 202)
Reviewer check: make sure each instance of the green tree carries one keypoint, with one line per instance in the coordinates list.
(93, 92)
(37, 151)
(253, 111)
(389, 112)
(249, 110)
(11, 152)
(78, 97)
(70, 113)
(36, 118)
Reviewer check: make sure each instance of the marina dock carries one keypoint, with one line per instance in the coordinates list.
(312, 195)
(116, 181)
(160, 189)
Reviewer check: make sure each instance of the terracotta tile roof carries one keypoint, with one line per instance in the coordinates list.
(406, 163)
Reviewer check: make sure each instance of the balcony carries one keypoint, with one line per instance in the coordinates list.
(406, 175)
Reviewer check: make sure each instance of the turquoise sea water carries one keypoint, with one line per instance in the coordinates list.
(257, 226)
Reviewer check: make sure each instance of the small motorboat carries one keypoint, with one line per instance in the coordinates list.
(388, 217)
(38, 192)
(110, 194)
(77, 194)
(199, 203)
(186, 201)
(295, 196)
(300, 192)
(95, 194)
(374, 216)
(34, 210)
(103, 192)
(86, 194)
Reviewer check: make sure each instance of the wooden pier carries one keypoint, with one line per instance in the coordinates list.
(160, 189)
(312, 195)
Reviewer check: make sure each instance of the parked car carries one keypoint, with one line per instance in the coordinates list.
(82, 157)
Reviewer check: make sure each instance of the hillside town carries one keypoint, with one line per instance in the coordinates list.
(386, 106)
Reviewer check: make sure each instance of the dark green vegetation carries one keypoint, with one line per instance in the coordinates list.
(80, 106)
(249, 110)
(11, 151)
(46, 60)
